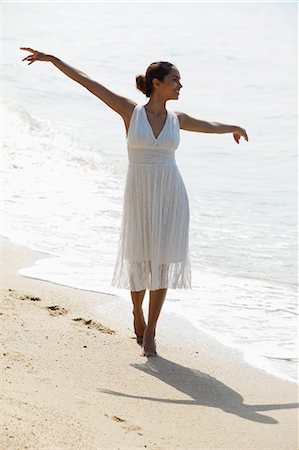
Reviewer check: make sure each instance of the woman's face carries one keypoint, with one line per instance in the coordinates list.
(170, 86)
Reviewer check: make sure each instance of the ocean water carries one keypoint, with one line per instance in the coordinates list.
(64, 155)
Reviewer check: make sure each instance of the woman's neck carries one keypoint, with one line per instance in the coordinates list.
(156, 105)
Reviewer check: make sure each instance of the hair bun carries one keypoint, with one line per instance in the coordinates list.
(141, 83)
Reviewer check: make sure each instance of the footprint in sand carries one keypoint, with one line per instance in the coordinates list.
(17, 357)
(57, 310)
(94, 325)
(127, 426)
(54, 310)
(13, 293)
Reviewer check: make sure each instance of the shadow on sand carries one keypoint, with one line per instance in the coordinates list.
(202, 390)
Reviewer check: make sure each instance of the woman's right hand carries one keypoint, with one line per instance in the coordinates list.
(35, 56)
(122, 105)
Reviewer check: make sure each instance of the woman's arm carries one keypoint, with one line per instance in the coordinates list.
(121, 105)
(191, 124)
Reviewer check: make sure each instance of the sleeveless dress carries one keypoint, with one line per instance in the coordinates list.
(153, 249)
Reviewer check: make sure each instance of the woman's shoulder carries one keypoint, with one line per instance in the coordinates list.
(179, 115)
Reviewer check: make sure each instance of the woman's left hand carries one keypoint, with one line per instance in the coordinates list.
(238, 133)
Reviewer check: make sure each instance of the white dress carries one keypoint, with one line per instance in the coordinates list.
(153, 249)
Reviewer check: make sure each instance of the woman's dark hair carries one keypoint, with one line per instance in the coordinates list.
(155, 70)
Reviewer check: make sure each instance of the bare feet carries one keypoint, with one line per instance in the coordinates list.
(139, 325)
(149, 343)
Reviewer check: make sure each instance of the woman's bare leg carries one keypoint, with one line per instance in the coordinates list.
(139, 322)
(155, 305)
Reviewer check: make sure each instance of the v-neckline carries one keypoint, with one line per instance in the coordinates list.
(162, 129)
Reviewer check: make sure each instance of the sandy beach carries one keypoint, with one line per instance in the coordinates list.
(73, 377)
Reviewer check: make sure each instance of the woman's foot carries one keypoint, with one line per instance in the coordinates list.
(149, 343)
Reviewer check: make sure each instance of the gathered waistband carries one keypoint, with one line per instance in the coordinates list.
(151, 156)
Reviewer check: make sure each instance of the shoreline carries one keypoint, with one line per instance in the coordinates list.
(53, 378)
(191, 333)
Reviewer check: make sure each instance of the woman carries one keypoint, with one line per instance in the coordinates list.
(153, 249)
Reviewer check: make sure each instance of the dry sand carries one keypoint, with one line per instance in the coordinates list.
(73, 378)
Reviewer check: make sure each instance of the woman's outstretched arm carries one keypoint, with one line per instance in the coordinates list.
(121, 105)
(191, 124)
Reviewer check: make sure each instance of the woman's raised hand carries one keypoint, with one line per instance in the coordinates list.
(36, 55)
(238, 133)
